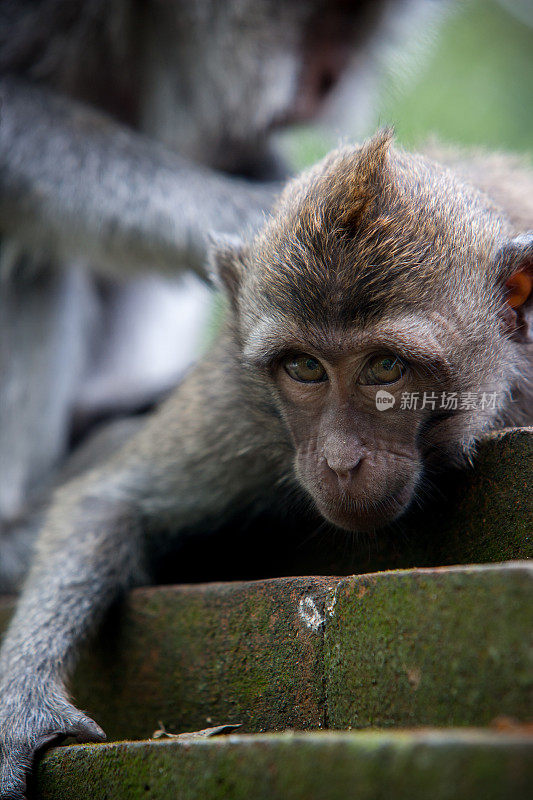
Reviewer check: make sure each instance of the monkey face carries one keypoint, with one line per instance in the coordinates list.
(372, 409)
(373, 305)
(359, 441)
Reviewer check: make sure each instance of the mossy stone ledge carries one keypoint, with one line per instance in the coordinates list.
(411, 765)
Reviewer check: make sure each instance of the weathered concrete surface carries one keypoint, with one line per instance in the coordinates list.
(437, 647)
(445, 647)
(195, 656)
(487, 513)
(469, 765)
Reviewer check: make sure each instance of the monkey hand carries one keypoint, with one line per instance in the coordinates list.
(30, 720)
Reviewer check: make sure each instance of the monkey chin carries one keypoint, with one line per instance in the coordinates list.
(353, 514)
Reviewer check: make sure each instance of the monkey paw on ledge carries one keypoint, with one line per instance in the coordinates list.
(443, 647)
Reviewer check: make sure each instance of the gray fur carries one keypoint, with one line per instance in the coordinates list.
(223, 443)
(120, 123)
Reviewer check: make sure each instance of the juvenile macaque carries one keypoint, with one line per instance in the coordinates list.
(128, 132)
(379, 271)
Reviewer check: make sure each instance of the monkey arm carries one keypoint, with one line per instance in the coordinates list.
(210, 446)
(74, 182)
(87, 553)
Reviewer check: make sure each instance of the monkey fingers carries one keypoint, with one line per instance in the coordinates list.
(25, 732)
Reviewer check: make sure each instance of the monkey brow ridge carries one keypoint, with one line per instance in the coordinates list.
(414, 337)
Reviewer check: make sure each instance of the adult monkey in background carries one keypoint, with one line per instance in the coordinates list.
(190, 87)
(379, 269)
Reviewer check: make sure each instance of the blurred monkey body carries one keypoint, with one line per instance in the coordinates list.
(378, 271)
(128, 132)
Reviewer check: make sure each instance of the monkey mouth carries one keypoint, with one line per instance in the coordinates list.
(356, 514)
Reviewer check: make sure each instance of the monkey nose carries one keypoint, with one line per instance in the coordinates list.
(344, 469)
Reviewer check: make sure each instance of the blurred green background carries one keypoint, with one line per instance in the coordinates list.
(472, 86)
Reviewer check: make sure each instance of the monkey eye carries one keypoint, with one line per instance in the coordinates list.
(305, 368)
(382, 369)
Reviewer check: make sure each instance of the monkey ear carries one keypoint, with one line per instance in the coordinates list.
(226, 263)
(515, 263)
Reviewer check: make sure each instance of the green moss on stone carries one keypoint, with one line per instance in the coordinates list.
(439, 647)
(197, 656)
(327, 766)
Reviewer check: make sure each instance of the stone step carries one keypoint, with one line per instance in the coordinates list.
(440, 647)
(449, 646)
(410, 765)
(486, 512)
